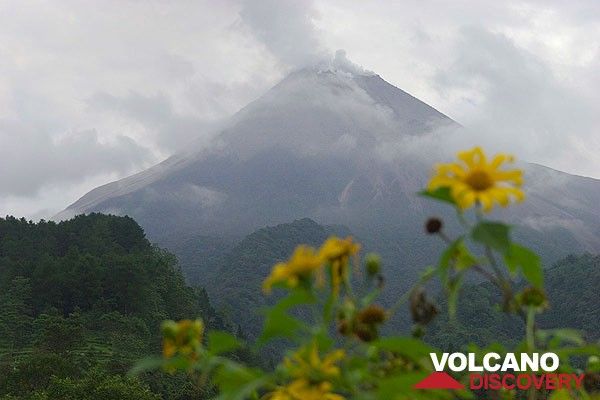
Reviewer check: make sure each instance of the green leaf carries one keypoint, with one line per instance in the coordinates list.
(147, 364)
(409, 347)
(561, 336)
(529, 263)
(222, 342)
(458, 255)
(493, 234)
(440, 194)
(238, 382)
(278, 323)
(561, 394)
(392, 387)
(587, 350)
(453, 289)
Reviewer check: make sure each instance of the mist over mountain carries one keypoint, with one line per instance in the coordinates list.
(339, 147)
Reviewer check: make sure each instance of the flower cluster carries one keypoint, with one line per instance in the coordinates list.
(312, 375)
(182, 338)
(363, 324)
(307, 262)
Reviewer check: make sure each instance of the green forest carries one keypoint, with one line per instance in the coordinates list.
(572, 288)
(80, 302)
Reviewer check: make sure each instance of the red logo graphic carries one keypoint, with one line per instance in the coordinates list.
(439, 380)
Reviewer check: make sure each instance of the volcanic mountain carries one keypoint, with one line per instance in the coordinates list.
(342, 149)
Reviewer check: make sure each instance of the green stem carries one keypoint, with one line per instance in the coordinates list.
(530, 338)
(530, 329)
(424, 279)
(462, 220)
(490, 256)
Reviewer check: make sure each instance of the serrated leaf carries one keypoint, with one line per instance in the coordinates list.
(278, 323)
(530, 264)
(236, 381)
(493, 234)
(440, 194)
(458, 255)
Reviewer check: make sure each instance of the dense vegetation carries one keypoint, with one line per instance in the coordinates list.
(234, 280)
(80, 302)
(571, 285)
(330, 313)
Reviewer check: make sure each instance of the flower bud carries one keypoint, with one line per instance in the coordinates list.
(422, 309)
(344, 328)
(418, 331)
(373, 264)
(533, 297)
(365, 333)
(433, 225)
(169, 329)
(594, 364)
(372, 315)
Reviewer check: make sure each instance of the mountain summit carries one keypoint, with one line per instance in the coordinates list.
(340, 148)
(310, 123)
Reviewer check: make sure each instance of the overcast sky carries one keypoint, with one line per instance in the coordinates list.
(94, 91)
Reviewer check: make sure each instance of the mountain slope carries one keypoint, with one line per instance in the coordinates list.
(235, 280)
(311, 123)
(81, 302)
(339, 148)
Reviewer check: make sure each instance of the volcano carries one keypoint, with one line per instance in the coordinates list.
(342, 149)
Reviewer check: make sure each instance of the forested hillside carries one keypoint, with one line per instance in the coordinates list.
(80, 302)
(234, 280)
(572, 289)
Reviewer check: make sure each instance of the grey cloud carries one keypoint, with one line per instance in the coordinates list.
(32, 159)
(518, 102)
(169, 129)
(166, 73)
(286, 28)
(340, 61)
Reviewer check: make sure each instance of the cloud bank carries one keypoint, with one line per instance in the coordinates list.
(93, 94)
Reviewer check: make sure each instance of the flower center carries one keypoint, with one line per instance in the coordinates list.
(479, 180)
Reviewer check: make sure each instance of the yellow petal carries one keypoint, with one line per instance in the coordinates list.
(467, 200)
(500, 195)
(486, 201)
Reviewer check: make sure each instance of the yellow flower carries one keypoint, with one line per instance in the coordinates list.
(306, 363)
(183, 337)
(302, 389)
(312, 376)
(474, 180)
(302, 264)
(338, 252)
